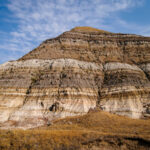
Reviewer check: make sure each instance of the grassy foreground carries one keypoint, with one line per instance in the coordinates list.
(94, 131)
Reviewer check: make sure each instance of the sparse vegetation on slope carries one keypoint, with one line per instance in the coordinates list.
(91, 131)
(88, 29)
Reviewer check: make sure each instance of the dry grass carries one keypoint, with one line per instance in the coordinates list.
(105, 123)
(76, 132)
(89, 29)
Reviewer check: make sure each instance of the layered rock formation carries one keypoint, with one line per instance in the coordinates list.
(77, 71)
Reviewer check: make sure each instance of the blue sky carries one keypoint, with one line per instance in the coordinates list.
(24, 24)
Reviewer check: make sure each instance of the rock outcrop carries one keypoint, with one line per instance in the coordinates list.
(77, 71)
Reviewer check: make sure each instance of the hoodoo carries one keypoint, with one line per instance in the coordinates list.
(77, 71)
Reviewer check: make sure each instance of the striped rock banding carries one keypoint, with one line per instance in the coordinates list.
(73, 73)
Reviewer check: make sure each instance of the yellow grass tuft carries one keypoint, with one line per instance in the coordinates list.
(88, 29)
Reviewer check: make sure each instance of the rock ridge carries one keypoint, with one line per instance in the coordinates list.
(77, 71)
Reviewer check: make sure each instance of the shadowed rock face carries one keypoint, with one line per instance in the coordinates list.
(81, 69)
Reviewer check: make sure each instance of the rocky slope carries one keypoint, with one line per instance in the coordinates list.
(77, 71)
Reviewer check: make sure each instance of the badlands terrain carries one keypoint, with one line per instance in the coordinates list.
(97, 79)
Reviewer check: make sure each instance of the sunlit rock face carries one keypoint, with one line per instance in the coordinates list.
(77, 71)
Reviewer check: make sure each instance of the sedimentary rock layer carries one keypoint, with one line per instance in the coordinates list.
(51, 89)
(94, 47)
(76, 72)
